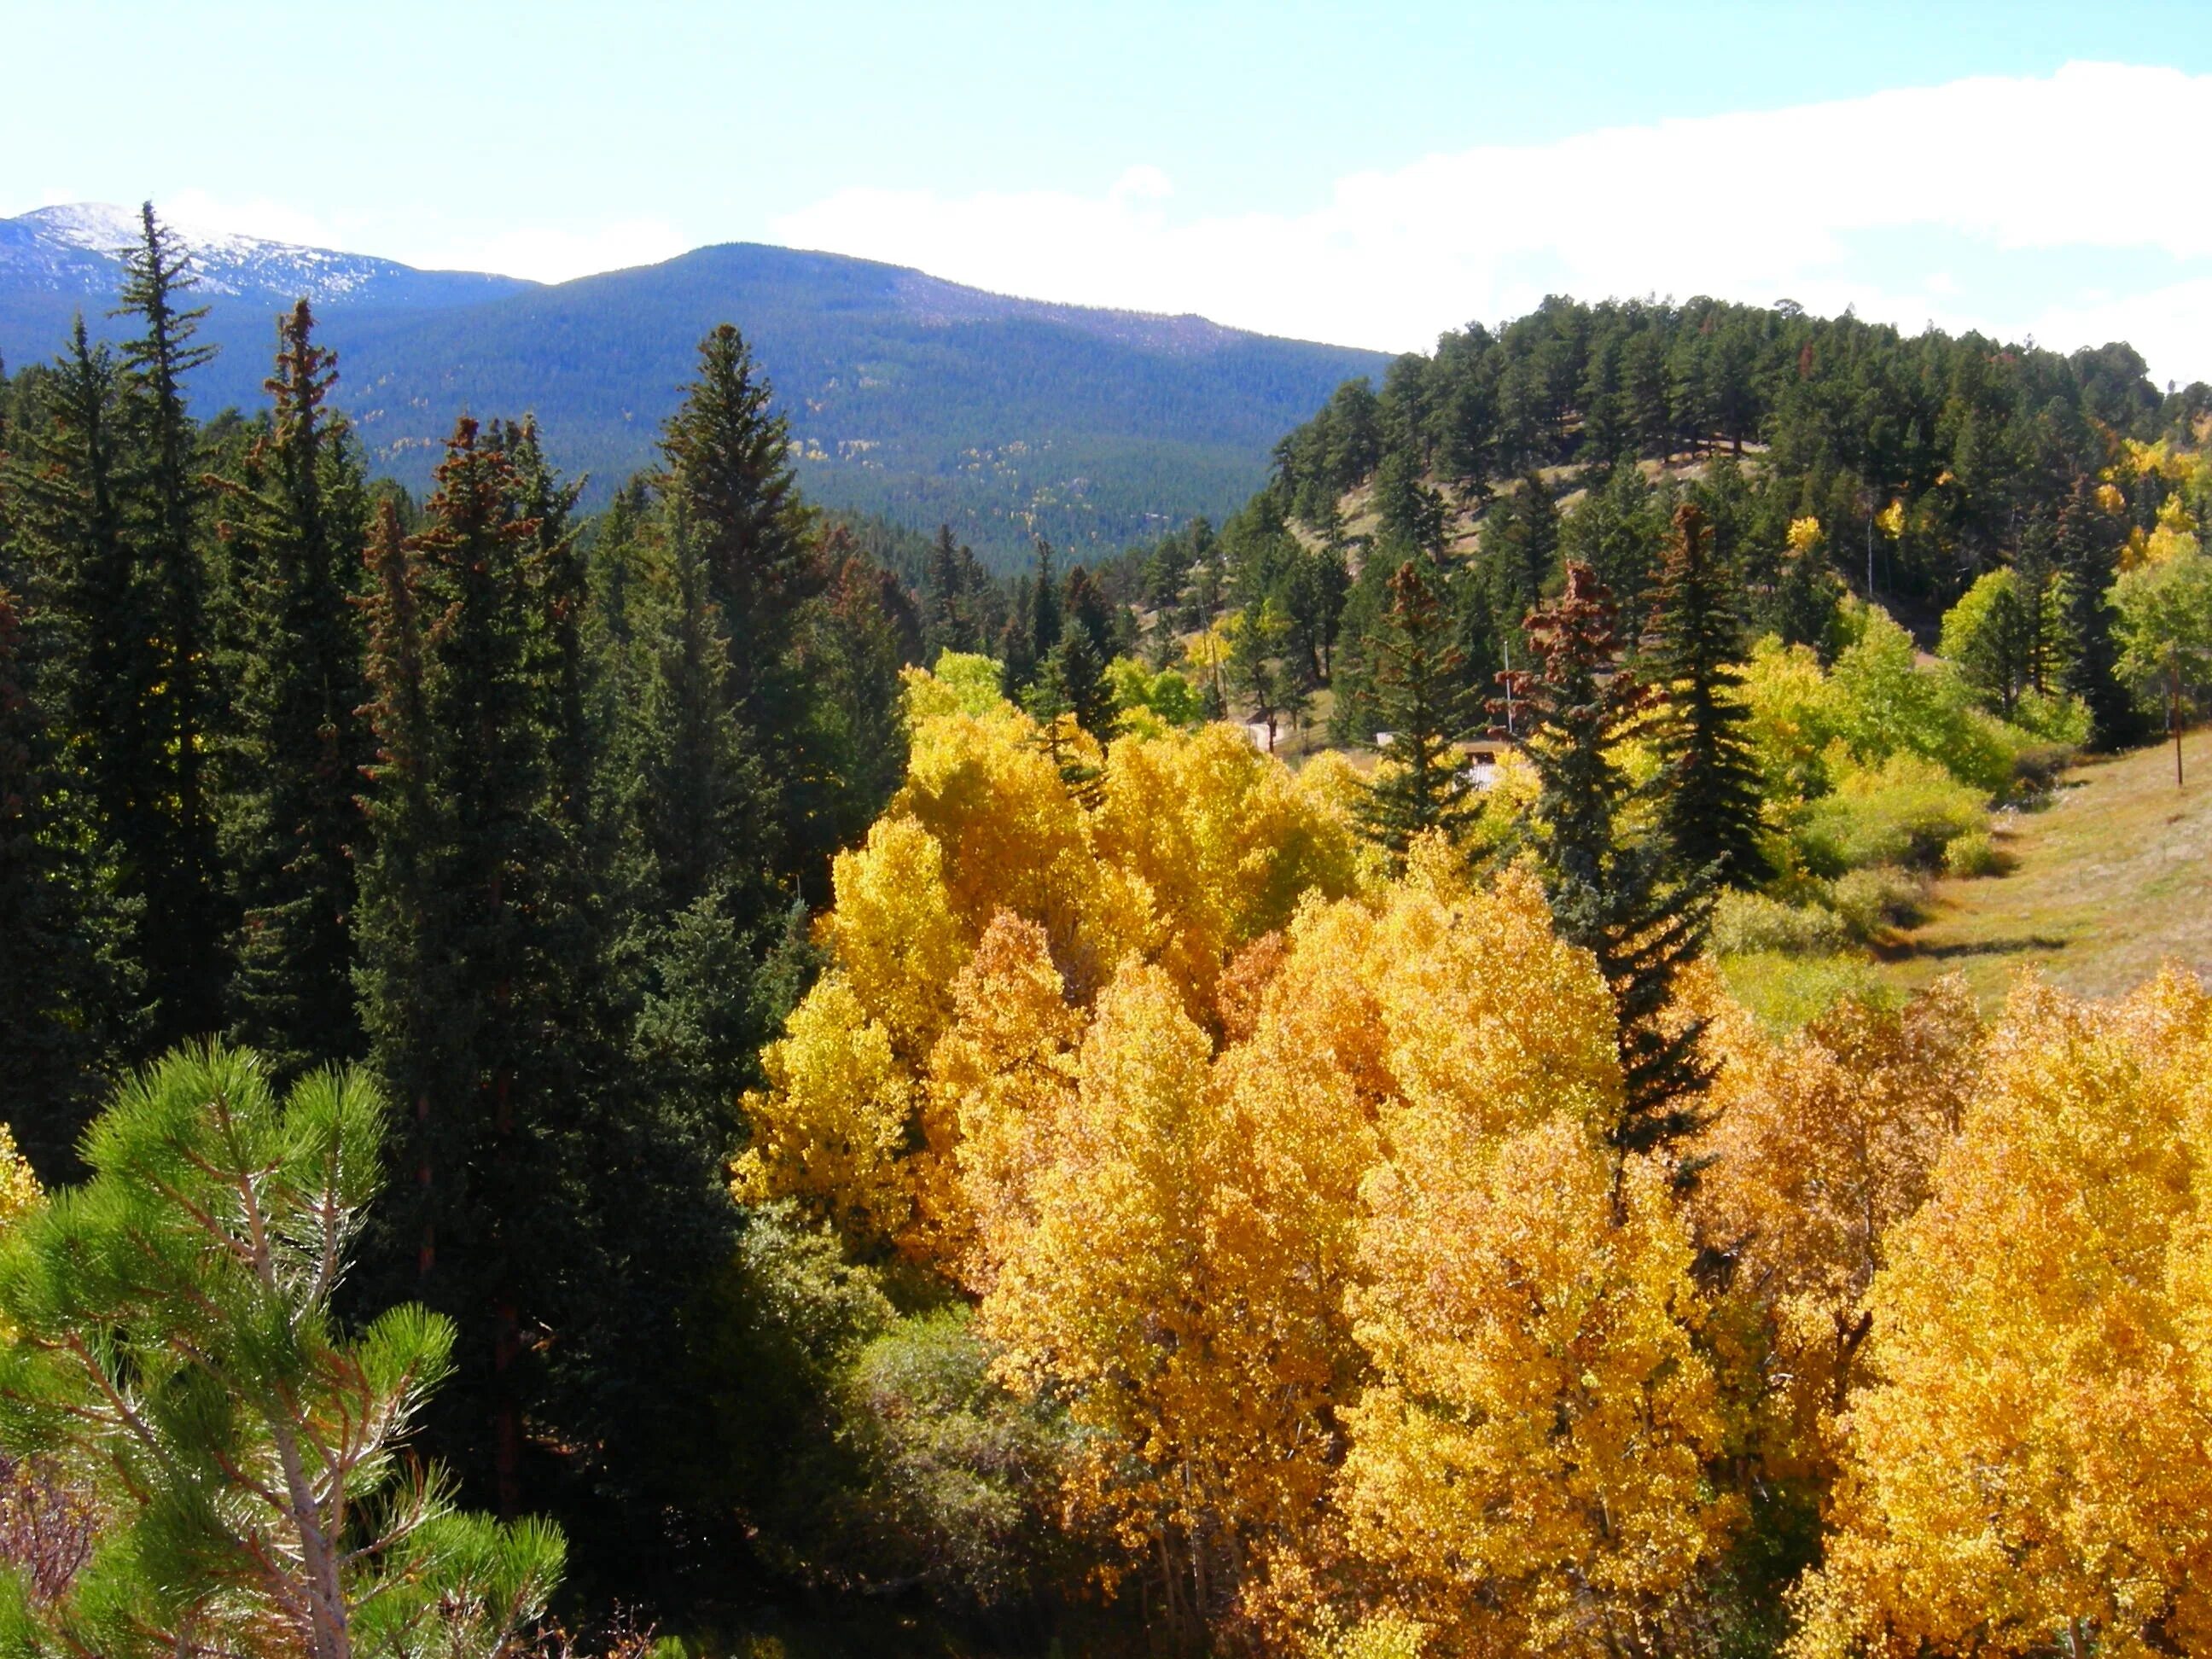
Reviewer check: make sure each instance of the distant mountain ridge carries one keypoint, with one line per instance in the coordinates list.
(914, 398)
(76, 250)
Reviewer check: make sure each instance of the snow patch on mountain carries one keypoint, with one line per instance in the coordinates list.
(78, 247)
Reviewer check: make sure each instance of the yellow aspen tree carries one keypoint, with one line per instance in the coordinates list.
(1013, 837)
(1530, 1472)
(1175, 1274)
(895, 934)
(1101, 1289)
(2027, 1469)
(999, 1082)
(1816, 1146)
(1529, 1469)
(1223, 839)
(831, 1128)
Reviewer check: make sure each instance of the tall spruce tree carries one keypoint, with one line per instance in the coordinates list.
(1421, 697)
(295, 522)
(462, 991)
(949, 621)
(707, 823)
(1711, 794)
(185, 932)
(1045, 604)
(1018, 654)
(68, 475)
(1609, 894)
(2089, 543)
(728, 466)
(67, 998)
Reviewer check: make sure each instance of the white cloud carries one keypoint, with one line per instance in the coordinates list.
(1830, 204)
(550, 254)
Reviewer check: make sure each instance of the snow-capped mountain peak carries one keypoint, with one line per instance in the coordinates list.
(78, 247)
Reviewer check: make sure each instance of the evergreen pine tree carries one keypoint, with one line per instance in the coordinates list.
(1018, 656)
(1420, 693)
(1608, 894)
(728, 462)
(948, 624)
(66, 996)
(185, 932)
(1049, 700)
(463, 985)
(1710, 792)
(707, 822)
(862, 663)
(2040, 598)
(728, 470)
(1085, 606)
(1536, 538)
(2089, 558)
(1044, 604)
(1080, 672)
(175, 1335)
(67, 479)
(295, 522)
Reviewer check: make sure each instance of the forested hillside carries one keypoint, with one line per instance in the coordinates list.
(911, 398)
(710, 1078)
(1823, 453)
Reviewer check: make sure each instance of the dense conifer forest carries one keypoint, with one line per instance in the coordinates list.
(710, 1075)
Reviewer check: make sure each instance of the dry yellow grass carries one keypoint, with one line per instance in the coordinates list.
(2111, 879)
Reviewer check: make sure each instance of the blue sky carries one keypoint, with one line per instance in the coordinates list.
(1363, 174)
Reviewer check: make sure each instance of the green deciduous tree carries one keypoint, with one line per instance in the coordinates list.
(1989, 635)
(2165, 631)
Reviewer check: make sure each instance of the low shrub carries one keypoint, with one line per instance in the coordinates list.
(1971, 855)
(2056, 721)
(1906, 812)
(1786, 991)
(1752, 924)
(1869, 900)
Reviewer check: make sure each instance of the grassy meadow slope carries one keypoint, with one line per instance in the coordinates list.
(2108, 880)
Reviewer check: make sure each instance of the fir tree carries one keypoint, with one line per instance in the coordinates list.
(1710, 793)
(728, 470)
(1044, 608)
(2041, 600)
(294, 521)
(461, 994)
(68, 477)
(950, 624)
(728, 463)
(1085, 606)
(1018, 656)
(1535, 540)
(858, 641)
(176, 846)
(66, 996)
(2088, 549)
(705, 817)
(1419, 692)
(1608, 894)
(1080, 672)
